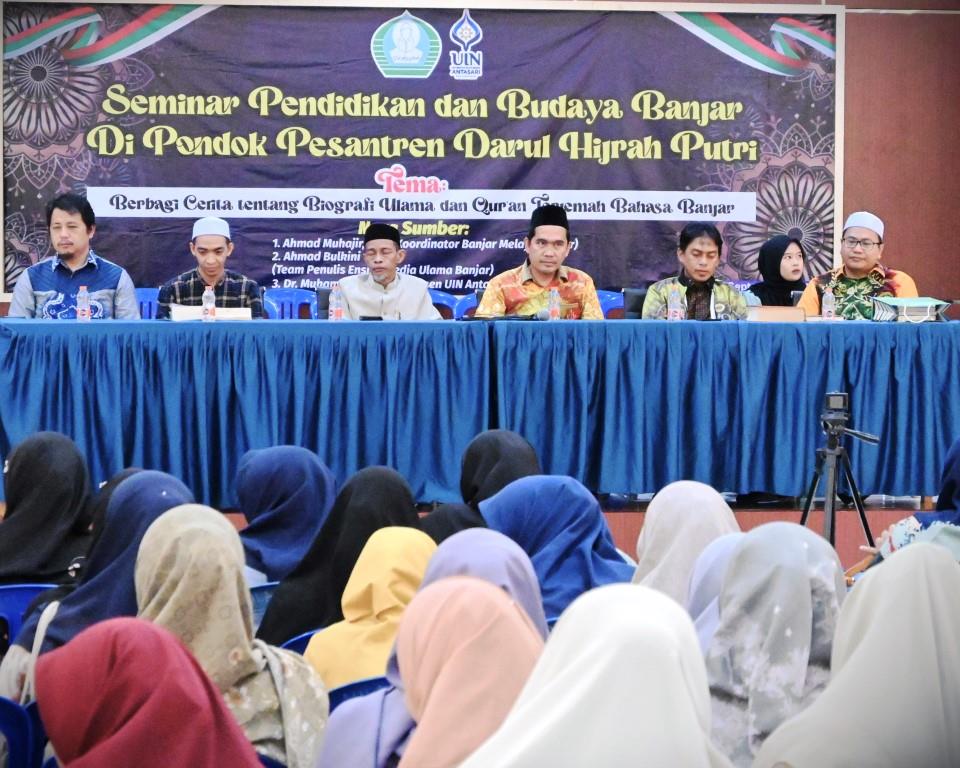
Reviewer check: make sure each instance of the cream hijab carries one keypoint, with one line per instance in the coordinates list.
(464, 651)
(383, 582)
(894, 696)
(189, 580)
(620, 683)
(681, 520)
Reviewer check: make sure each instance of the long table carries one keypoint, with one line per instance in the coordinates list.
(625, 406)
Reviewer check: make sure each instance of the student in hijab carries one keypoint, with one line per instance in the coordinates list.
(124, 692)
(558, 523)
(373, 730)
(893, 699)
(47, 521)
(384, 580)
(309, 598)
(189, 580)
(770, 654)
(285, 493)
(703, 597)
(106, 588)
(493, 460)
(620, 682)
(681, 520)
(781, 264)
(464, 651)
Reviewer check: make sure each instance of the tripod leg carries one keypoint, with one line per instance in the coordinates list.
(857, 498)
(830, 498)
(815, 480)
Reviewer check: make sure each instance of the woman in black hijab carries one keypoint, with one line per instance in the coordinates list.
(309, 598)
(492, 461)
(781, 265)
(47, 522)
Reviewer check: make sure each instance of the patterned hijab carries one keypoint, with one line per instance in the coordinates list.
(464, 651)
(770, 655)
(384, 580)
(286, 493)
(893, 699)
(189, 580)
(621, 682)
(558, 523)
(125, 691)
(681, 520)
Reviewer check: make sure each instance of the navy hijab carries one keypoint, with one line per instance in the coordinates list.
(948, 502)
(106, 588)
(286, 493)
(559, 524)
(774, 291)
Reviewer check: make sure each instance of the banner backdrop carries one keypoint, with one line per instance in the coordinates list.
(301, 125)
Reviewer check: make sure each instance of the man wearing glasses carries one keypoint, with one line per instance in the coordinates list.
(862, 276)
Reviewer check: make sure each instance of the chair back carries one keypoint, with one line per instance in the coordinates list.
(285, 303)
(353, 690)
(611, 303)
(14, 599)
(446, 303)
(260, 595)
(467, 305)
(147, 302)
(633, 299)
(323, 303)
(17, 729)
(299, 643)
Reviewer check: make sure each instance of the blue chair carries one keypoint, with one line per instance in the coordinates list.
(299, 643)
(285, 303)
(260, 595)
(355, 689)
(269, 762)
(14, 599)
(147, 300)
(17, 729)
(466, 306)
(446, 303)
(38, 733)
(610, 302)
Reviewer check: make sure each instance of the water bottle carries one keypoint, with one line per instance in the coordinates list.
(83, 304)
(553, 305)
(209, 303)
(335, 308)
(828, 304)
(674, 304)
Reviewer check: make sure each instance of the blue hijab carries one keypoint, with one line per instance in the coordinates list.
(948, 502)
(558, 523)
(285, 493)
(106, 589)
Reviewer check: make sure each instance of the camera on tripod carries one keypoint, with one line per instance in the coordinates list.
(836, 412)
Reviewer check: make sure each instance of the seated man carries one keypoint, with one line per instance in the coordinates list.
(49, 288)
(210, 246)
(525, 290)
(703, 294)
(383, 291)
(862, 276)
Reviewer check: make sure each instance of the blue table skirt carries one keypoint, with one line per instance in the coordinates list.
(625, 406)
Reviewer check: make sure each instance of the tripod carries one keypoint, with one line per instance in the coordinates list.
(833, 460)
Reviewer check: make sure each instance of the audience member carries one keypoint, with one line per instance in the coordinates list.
(387, 574)
(706, 580)
(189, 580)
(781, 263)
(681, 520)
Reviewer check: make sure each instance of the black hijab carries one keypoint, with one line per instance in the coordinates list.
(492, 461)
(448, 519)
(309, 598)
(774, 291)
(47, 522)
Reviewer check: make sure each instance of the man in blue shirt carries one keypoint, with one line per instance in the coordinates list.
(49, 288)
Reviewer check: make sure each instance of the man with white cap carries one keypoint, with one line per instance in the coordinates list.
(862, 277)
(210, 246)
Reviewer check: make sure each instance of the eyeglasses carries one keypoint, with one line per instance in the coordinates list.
(852, 243)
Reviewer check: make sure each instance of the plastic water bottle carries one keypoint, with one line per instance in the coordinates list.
(335, 308)
(553, 305)
(209, 303)
(83, 304)
(674, 304)
(828, 304)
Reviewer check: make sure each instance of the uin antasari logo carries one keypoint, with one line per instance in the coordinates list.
(406, 46)
(466, 64)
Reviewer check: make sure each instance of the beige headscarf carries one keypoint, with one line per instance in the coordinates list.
(681, 520)
(894, 696)
(383, 582)
(189, 580)
(464, 650)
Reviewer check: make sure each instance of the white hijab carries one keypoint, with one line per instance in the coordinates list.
(703, 597)
(621, 680)
(894, 696)
(681, 520)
